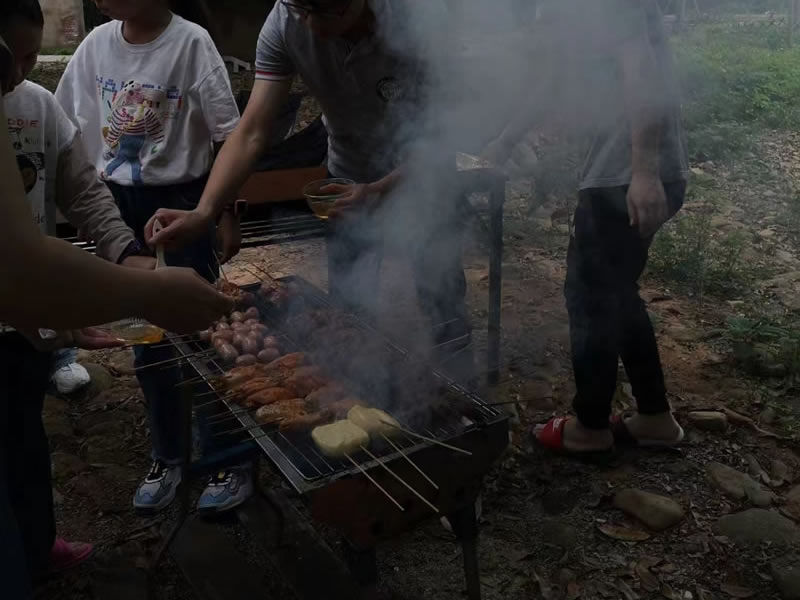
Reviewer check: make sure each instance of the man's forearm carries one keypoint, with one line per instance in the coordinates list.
(644, 98)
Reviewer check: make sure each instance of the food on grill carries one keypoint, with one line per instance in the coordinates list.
(237, 316)
(269, 396)
(290, 361)
(249, 345)
(327, 395)
(260, 328)
(339, 438)
(226, 352)
(292, 415)
(373, 420)
(246, 359)
(234, 292)
(223, 334)
(267, 355)
(275, 292)
(222, 326)
(205, 335)
(305, 380)
(251, 313)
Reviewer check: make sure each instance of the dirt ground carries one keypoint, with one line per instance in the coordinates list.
(552, 528)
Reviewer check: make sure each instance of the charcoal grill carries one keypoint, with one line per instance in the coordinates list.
(345, 495)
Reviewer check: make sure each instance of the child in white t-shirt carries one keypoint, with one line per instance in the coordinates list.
(152, 97)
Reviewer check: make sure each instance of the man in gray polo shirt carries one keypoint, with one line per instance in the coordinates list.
(611, 81)
(368, 88)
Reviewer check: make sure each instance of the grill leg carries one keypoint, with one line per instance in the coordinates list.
(363, 564)
(496, 201)
(465, 525)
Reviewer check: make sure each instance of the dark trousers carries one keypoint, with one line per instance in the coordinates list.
(27, 523)
(160, 384)
(607, 318)
(355, 253)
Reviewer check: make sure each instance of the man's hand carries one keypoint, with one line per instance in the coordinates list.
(180, 227)
(183, 302)
(89, 338)
(147, 263)
(353, 197)
(93, 338)
(647, 203)
(229, 237)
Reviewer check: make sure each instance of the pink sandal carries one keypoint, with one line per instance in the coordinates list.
(68, 555)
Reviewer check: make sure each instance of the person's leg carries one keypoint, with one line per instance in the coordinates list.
(13, 562)
(354, 262)
(441, 292)
(639, 348)
(30, 487)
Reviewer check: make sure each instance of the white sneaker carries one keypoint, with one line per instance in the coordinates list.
(71, 378)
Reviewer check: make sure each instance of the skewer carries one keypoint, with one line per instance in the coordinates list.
(219, 267)
(375, 483)
(249, 428)
(229, 416)
(400, 479)
(426, 438)
(453, 341)
(411, 462)
(175, 359)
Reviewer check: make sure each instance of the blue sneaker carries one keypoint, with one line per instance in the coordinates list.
(158, 489)
(226, 490)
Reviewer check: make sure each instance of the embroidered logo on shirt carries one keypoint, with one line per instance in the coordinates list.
(389, 89)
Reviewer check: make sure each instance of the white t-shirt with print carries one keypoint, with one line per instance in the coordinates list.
(40, 131)
(149, 113)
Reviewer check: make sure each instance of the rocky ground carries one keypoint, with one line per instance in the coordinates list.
(713, 519)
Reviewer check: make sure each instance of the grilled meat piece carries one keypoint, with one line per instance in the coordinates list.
(289, 361)
(285, 409)
(306, 380)
(268, 396)
(325, 396)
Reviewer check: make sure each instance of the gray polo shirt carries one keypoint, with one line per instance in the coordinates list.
(594, 85)
(367, 91)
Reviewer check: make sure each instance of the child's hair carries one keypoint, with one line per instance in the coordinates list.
(28, 10)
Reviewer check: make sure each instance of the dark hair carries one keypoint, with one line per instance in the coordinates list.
(28, 10)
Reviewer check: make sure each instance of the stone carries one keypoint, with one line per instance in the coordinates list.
(102, 380)
(738, 485)
(791, 504)
(655, 511)
(56, 419)
(66, 466)
(786, 575)
(683, 334)
(559, 533)
(708, 420)
(755, 526)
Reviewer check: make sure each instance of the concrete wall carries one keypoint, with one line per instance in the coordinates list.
(235, 25)
(63, 23)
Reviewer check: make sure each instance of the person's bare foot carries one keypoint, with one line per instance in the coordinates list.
(661, 427)
(578, 438)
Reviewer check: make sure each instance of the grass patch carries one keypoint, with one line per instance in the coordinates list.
(765, 347)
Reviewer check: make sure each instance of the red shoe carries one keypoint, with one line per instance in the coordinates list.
(552, 438)
(68, 555)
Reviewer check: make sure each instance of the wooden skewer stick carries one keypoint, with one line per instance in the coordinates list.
(375, 483)
(425, 438)
(400, 479)
(175, 359)
(399, 450)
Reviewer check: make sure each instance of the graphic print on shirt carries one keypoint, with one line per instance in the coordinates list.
(136, 124)
(25, 138)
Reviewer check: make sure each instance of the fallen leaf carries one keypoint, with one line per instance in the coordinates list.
(573, 591)
(648, 580)
(737, 591)
(623, 534)
(626, 590)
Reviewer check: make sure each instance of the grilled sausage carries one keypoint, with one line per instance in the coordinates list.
(257, 340)
(238, 341)
(267, 355)
(245, 360)
(224, 334)
(252, 321)
(227, 353)
(249, 345)
(271, 342)
(251, 313)
(270, 395)
(260, 328)
(205, 335)
(247, 299)
(237, 316)
(222, 325)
